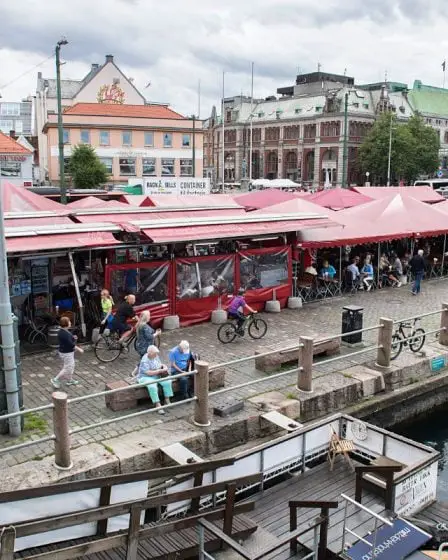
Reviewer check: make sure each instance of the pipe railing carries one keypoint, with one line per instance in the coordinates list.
(304, 370)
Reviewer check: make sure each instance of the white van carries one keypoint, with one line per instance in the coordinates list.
(433, 183)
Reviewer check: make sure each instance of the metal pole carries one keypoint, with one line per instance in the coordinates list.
(78, 293)
(7, 332)
(390, 150)
(251, 124)
(344, 152)
(223, 129)
(443, 255)
(194, 146)
(60, 128)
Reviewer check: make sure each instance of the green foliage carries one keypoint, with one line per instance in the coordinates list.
(86, 169)
(415, 149)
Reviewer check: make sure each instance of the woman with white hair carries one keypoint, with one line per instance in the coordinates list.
(180, 361)
(152, 369)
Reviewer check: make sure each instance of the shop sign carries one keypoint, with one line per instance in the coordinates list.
(176, 186)
(8, 157)
(416, 491)
(390, 543)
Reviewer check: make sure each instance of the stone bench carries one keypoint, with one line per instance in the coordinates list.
(124, 400)
(274, 362)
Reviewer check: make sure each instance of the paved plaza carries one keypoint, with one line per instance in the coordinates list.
(323, 317)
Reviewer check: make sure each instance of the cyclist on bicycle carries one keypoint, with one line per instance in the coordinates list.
(125, 312)
(236, 310)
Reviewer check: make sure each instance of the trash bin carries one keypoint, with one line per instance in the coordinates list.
(352, 321)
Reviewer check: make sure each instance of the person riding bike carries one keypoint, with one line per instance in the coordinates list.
(125, 311)
(236, 308)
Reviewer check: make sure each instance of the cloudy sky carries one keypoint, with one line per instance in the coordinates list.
(175, 43)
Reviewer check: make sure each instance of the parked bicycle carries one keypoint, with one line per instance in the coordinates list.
(407, 334)
(108, 348)
(255, 326)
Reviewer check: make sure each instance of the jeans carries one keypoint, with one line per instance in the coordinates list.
(240, 318)
(418, 279)
(153, 390)
(184, 384)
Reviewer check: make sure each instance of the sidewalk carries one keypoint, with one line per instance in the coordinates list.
(284, 329)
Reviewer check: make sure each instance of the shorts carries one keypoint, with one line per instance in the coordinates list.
(121, 328)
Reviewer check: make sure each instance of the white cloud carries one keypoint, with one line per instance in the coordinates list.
(173, 43)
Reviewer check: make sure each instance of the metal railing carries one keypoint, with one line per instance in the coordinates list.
(304, 371)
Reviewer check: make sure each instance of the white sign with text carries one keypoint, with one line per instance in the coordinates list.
(176, 185)
(417, 491)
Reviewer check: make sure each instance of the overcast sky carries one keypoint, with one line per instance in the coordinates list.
(175, 43)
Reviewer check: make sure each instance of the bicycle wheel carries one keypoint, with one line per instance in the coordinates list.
(417, 343)
(257, 328)
(107, 349)
(227, 333)
(396, 347)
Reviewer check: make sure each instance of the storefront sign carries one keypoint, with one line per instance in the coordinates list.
(391, 543)
(7, 157)
(176, 186)
(415, 492)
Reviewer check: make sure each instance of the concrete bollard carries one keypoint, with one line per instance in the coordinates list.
(171, 323)
(7, 543)
(385, 342)
(201, 408)
(305, 374)
(443, 334)
(294, 303)
(62, 459)
(272, 306)
(219, 316)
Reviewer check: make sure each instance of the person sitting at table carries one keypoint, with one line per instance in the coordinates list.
(397, 271)
(367, 273)
(327, 271)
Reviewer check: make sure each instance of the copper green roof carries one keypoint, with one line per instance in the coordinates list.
(429, 100)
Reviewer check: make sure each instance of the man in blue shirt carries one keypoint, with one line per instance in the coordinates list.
(180, 360)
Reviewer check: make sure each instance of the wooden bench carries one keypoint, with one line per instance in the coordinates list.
(124, 400)
(282, 421)
(275, 361)
(378, 478)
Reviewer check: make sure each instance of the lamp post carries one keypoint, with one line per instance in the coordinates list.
(390, 150)
(367, 179)
(59, 44)
(344, 149)
(193, 146)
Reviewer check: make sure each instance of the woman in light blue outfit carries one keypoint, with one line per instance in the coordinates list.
(152, 369)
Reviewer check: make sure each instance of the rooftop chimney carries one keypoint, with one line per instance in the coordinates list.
(12, 134)
(95, 66)
(109, 58)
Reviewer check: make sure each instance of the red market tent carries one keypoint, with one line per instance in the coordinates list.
(19, 199)
(190, 201)
(338, 199)
(65, 241)
(298, 205)
(424, 194)
(256, 200)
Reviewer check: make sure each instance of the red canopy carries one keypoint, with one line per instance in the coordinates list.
(422, 193)
(19, 199)
(190, 201)
(64, 241)
(255, 200)
(297, 206)
(338, 199)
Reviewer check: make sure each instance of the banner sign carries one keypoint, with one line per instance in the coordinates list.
(391, 543)
(175, 185)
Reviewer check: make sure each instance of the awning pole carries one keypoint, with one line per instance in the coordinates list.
(340, 263)
(378, 266)
(443, 254)
(78, 294)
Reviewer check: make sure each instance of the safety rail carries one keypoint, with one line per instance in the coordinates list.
(304, 371)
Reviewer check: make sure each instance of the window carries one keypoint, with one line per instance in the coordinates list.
(127, 166)
(10, 168)
(85, 136)
(108, 163)
(104, 138)
(186, 167)
(126, 138)
(167, 166)
(6, 126)
(149, 138)
(167, 140)
(291, 132)
(272, 134)
(149, 166)
(10, 109)
(66, 136)
(186, 139)
(18, 127)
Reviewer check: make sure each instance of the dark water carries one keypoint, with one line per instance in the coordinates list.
(432, 430)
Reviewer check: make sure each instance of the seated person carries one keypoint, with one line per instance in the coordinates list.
(152, 369)
(327, 271)
(397, 271)
(181, 360)
(367, 274)
(353, 268)
(236, 309)
(125, 311)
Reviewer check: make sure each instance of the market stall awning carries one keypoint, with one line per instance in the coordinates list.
(190, 201)
(296, 206)
(255, 200)
(422, 193)
(20, 199)
(338, 198)
(66, 241)
(94, 202)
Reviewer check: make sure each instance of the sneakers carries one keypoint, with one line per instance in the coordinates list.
(161, 411)
(399, 285)
(72, 382)
(56, 383)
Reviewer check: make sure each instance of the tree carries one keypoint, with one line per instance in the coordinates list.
(415, 149)
(86, 169)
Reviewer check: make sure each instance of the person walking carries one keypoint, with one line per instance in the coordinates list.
(146, 336)
(67, 347)
(417, 264)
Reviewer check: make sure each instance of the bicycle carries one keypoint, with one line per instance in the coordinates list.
(416, 339)
(255, 326)
(108, 349)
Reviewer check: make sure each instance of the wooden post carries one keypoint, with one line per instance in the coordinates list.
(230, 504)
(385, 341)
(443, 334)
(293, 527)
(323, 536)
(8, 539)
(197, 481)
(201, 415)
(101, 527)
(134, 528)
(61, 431)
(305, 374)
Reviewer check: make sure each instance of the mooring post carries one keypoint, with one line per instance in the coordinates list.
(7, 543)
(201, 412)
(443, 334)
(384, 342)
(61, 431)
(305, 373)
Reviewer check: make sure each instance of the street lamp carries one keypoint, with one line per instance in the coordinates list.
(344, 152)
(193, 145)
(390, 148)
(367, 179)
(60, 44)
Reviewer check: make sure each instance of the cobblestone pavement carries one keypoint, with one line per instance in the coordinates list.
(322, 318)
